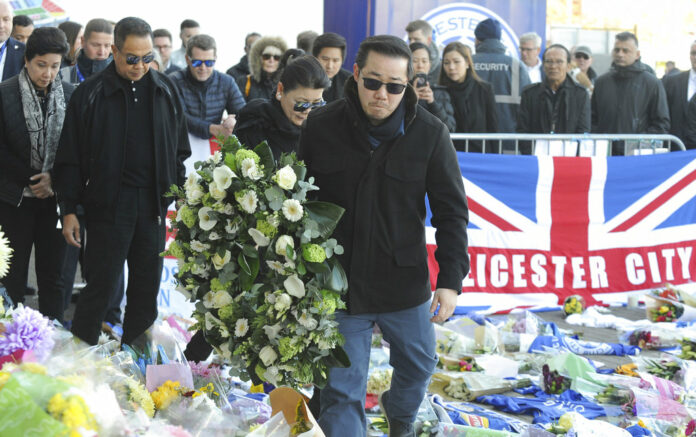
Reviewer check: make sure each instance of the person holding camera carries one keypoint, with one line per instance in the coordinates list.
(433, 97)
(473, 99)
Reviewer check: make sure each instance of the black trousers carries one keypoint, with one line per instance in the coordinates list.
(136, 235)
(33, 224)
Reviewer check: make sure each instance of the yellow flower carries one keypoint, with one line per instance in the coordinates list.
(166, 394)
(4, 376)
(663, 309)
(72, 412)
(140, 397)
(256, 389)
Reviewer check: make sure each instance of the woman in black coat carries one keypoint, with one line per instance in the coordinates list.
(432, 97)
(473, 98)
(32, 110)
(278, 120)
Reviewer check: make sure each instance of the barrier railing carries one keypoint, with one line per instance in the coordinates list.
(568, 144)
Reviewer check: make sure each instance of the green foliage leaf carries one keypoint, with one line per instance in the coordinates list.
(266, 155)
(250, 251)
(300, 171)
(250, 269)
(318, 267)
(327, 216)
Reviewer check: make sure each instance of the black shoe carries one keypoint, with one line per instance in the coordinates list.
(29, 291)
(396, 428)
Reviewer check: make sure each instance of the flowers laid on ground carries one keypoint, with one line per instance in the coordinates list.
(257, 258)
(688, 349)
(379, 381)
(5, 254)
(644, 339)
(464, 364)
(614, 395)
(25, 329)
(553, 382)
(664, 368)
(666, 312)
(629, 369)
(72, 411)
(573, 305)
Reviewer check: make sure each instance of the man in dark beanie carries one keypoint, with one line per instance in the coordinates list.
(505, 73)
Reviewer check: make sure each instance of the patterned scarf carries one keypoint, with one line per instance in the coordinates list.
(44, 130)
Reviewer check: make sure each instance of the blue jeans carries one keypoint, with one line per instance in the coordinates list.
(411, 339)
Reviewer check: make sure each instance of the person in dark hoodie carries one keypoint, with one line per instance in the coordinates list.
(264, 60)
(95, 53)
(330, 50)
(505, 73)
(278, 120)
(421, 31)
(628, 99)
(241, 69)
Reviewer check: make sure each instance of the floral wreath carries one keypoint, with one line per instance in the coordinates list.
(256, 257)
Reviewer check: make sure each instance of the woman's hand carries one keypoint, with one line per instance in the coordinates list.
(41, 189)
(425, 93)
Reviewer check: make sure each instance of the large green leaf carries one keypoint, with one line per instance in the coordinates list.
(266, 154)
(327, 216)
(249, 271)
(318, 267)
(336, 279)
(300, 171)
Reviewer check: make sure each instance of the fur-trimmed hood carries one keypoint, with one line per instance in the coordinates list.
(258, 48)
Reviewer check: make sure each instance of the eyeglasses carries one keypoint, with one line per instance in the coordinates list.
(581, 56)
(392, 87)
(132, 59)
(303, 106)
(197, 62)
(268, 56)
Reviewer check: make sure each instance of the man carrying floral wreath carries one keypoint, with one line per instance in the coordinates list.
(377, 154)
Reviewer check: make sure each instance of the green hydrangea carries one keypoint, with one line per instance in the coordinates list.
(304, 373)
(313, 253)
(216, 285)
(329, 303)
(266, 228)
(188, 216)
(289, 347)
(176, 250)
(243, 154)
(226, 314)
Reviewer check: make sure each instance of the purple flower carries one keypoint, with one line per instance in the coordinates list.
(28, 330)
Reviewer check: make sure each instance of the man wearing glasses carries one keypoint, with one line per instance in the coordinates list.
(123, 145)
(377, 154)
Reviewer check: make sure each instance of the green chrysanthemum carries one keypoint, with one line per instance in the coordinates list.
(289, 347)
(176, 250)
(188, 216)
(226, 314)
(266, 228)
(313, 253)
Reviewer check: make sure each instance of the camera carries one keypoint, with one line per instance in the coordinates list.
(421, 80)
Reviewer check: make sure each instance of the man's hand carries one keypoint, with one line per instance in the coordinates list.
(229, 123)
(447, 298)
(425, 93)
(71, 230)
(41, 189)
(219, 130)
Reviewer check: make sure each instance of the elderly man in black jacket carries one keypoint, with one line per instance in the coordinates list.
(123, 145)
(377, 154)
(557, 104)
(628, 99)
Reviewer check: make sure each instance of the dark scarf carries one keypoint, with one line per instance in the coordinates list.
(88, 66)
(626, 72)
(390, 129)
(461, 94)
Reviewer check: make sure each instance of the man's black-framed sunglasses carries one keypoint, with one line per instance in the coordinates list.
(198, 62)
(132, 59)
(267, 56)
(581, 56)
(392, 87)
(303, 106)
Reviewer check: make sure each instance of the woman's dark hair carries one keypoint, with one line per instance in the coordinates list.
(130, 26)
(46, 40)
(288, 56)
(304, 71)
(463, 50)
(71, 30)
(386, 45)
(331, 40)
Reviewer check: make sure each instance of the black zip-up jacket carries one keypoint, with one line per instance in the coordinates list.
(568, 113)
(263, 120)
(383, 192)
(90, 159)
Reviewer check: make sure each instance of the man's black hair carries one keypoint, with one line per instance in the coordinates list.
(330, 40)
(158, 33)
(130, 26)
(98, 25)
(22, 20)
(386, 45)
(188, 24)
(202, 42)
(557, 46)
(45, 40)
(625, 36)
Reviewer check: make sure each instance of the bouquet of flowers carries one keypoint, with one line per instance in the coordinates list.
(688, 347)
(24, 329)
(553, 382)
(5, 255)
(257, 258)
(667, 369)
(574, 305)
(614, 395)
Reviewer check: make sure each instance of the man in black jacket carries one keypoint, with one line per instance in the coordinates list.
(241, 69)
(95, 53)
(11, 50)
(330, 50)
(377, 154)
(123, 145)
(628, 99)
(680, 88)
(558, 104)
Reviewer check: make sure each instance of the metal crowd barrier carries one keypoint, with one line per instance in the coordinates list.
(568, 144)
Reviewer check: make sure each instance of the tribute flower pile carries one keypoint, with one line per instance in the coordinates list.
(257, 258)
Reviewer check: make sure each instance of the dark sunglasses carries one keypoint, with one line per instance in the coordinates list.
(132, 59)
(581, 55)
(374, 85)
(267, 56)
(198, 62)
(303, 106)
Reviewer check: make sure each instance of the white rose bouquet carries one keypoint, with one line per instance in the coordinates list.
(258, 259)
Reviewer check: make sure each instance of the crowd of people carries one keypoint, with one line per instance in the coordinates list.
(97, 122)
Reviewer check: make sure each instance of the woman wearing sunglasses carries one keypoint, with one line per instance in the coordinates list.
(32, 111)
(264, 63)
(473, 99)
(278, 120)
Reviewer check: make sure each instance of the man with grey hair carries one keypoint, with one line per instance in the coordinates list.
(421, 31)
(530, 47)
(11, 50)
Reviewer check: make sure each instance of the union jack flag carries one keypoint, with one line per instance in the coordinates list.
(567, 225)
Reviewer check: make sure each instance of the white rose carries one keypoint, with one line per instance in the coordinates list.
(294, 286)
(259, 238)
(307, 321)
(191, 181)
(272, 331)
(283, 302)
(292, 210)
(197, 246)
(223, 176)
(194, 194)
(216, 192)
(221, 299)
(286, 178)
(219, 262)
(205, 221)
(267, 355)
(282, 243)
